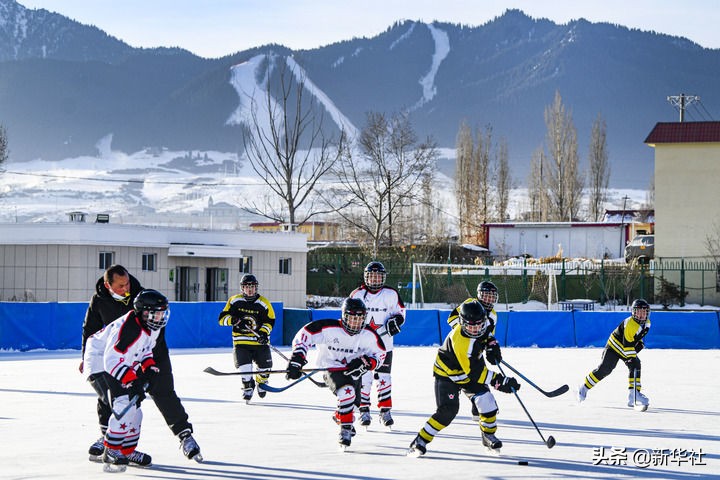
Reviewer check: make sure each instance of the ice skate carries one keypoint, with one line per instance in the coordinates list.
(260, 381)
(365, 418)
(96, 450)
(385, 418)
(491, 443)
(418, 447)
(114, 461)
(638, 400)
(189, 446)
(582, 393)
(345, 437)
(248, 388)
(139, 459)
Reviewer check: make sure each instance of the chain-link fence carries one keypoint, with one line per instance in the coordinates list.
(667, 281)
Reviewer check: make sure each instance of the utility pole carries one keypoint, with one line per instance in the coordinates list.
(682, 101)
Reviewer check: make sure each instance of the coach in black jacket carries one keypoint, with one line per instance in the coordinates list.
(114, 295)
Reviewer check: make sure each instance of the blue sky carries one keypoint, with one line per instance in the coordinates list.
(214, 28)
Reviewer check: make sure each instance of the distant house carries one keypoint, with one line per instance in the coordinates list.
(315, 231)
(687, 166)
(57, 262)
(546, 239)
(636, 222)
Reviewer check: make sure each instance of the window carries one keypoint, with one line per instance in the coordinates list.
(285, 266)
(105, 260)
(245, 264)
(149, 262)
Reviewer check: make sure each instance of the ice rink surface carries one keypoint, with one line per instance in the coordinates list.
(48, 421)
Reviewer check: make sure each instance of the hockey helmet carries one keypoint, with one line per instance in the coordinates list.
(487, 294)
(249, 285)
(354, 312)
(374, 276)
(473, 319)
(152, 307)
(640, 310)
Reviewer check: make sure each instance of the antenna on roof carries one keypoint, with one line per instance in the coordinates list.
(682, 101)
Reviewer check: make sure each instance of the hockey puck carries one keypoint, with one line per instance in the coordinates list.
(522, 462)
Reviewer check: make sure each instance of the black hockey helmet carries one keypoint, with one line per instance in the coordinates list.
(374, 275)
(152, 307)
(354, 312)
(249, 283)
(249, 279)
(487, 294)
(640, 305)
(473, 319)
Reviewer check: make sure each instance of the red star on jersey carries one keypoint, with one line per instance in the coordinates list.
(348, 390)
(373, 325)
(123, 426)
(382, 383)
(133, 430)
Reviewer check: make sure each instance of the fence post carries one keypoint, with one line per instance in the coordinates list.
(603, 298)
(562, 281)
(525, 281)
(682, 282)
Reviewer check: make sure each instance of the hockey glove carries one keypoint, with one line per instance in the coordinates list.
(393, 325)
(262, 338)
(358, 366)
(294, 368)
(506, 384)
(639, 346)
(492, 352)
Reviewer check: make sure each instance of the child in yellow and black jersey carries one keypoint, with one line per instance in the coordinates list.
(487, 295)
(460, 366)
(252, 317)
(624, 344)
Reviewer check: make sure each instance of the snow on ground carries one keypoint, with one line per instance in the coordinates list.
(47, 420)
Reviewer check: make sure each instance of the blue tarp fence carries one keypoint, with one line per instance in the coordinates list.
(55, 326)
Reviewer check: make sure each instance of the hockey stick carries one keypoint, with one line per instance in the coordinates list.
(285, 357)
(212, 371)
(269, 388)
(276, 350)
(554, 393)
(131, 402)
(550, 442)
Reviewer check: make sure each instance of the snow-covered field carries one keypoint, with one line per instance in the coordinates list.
(47, 421)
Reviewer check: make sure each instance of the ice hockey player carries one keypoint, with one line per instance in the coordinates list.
(252, 318)
(386, 315)
(119, 362)
(624, 343)
(348, 349)
(459, 366)
(114, 294)
(487, 295)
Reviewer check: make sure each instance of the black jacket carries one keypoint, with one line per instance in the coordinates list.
(103, 309)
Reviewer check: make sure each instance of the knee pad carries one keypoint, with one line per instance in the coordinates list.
(485, 403)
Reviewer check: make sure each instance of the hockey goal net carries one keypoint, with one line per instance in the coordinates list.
(452, 284)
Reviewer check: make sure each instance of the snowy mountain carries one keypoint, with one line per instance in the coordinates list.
(65, 86)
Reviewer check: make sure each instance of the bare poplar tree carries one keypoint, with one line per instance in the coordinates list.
(503, 182)
(483, 147)
(599, 166)
(466, 182)
(3, 146)
(565, 182)
(537, 188)
(287, 146)
(385, 177)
